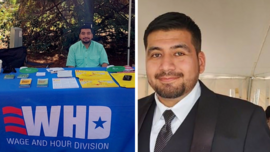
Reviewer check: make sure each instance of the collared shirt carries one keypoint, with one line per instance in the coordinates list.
(181, 110)
(94, 56)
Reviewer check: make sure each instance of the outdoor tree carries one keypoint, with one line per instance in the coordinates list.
(53, 25)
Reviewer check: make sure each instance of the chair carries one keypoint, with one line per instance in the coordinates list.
(17, 57)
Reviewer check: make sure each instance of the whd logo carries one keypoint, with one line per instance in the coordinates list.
(25, 121)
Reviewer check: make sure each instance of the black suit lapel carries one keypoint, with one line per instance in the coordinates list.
(143, 109)
(205, 121)
(145, 131)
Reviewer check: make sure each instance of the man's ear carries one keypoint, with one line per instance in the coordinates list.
(201, 59)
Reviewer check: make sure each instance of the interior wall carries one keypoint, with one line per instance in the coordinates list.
(236, 27)
(260, 92)
(142, 86)
(230, 87)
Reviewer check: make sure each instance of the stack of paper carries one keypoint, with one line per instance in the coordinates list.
(62, 83)
(40, 73)
(65, 73)
(95, 79)
(9, 76)
(128, 69)
(88, 83)
(42, 82)
(23, 76)
(92, 74)
(55, 70)
(25, 83)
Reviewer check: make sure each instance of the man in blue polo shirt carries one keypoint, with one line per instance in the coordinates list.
(87, 53)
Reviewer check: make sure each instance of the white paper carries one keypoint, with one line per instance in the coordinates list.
(55, 70)
(65, 73)
(63, 83)
(40, 73)
(20, 33)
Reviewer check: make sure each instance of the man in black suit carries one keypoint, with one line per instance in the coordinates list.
(183, 115)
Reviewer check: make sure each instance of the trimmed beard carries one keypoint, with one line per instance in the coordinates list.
(87, 42)
(167, 90)
(170, 92)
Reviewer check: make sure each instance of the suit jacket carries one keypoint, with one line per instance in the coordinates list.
(222, 124)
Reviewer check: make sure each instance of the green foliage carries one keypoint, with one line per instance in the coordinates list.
(111, 25)
(8, 11)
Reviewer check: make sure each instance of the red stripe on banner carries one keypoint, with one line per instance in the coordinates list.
(12, 110)
(16, 129)
(14, 120)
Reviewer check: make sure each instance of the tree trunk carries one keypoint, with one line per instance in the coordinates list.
(89, 7)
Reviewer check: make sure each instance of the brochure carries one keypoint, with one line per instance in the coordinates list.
(25, 83)
(63, 83)
(9, 76)
(99, 75)
(23, 76)
(42, 82)
(87, 83)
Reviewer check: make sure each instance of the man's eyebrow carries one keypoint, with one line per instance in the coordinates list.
(183, 46)
(153, 48)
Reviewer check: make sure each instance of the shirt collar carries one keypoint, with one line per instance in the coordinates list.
(182, 108)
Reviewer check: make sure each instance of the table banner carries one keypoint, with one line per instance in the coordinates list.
(65, 120)
(61, 128)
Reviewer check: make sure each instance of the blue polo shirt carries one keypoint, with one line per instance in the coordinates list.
(94, 56)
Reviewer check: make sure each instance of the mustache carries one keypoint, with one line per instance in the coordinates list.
(170, 73)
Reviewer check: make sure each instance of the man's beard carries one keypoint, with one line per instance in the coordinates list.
(168, 90)
(86, 42)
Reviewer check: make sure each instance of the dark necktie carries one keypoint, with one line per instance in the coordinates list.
(165, 133)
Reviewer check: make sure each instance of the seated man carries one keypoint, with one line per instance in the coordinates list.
(87, 53)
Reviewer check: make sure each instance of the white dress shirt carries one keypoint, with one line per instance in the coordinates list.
(181, 110)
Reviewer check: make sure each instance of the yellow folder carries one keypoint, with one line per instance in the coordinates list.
(124, 83)
(92, 74)
(87, 83)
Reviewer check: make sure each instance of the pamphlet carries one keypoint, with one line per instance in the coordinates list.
(55, 70)
(128, 69)
(92, 75)
(23, 76)
(42, 82)
(63, 83)
(9, 76)
(40, 73)
(65, 73)
(87, 83)
(25, 83)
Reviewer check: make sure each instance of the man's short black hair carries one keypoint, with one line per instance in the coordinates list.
(267, 112)
(175, 21)
(86, 27)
